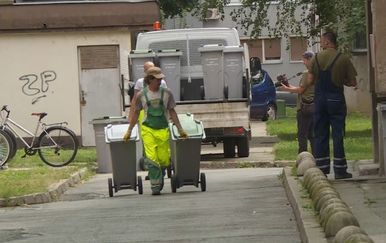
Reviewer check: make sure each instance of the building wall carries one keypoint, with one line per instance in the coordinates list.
(284, 66)
(360, 99)
(357, 100)
(40, 72)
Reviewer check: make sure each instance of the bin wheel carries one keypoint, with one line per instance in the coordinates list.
(173, 182)
(140, 186)
(110, 185)
(142, 163)
(203, 182)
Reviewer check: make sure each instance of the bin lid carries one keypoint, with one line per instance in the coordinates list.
(141, 53)
(192, 127)
(233, 49)
(211, 48)
(109, 119)
(115, 133)
(169, 53)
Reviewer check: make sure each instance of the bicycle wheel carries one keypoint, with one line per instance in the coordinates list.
(57, 146)
(13, 142)
(5, 147)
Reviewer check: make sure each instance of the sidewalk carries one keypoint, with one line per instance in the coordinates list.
(364, 194)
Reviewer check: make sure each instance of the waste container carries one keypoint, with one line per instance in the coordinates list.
(171, 67)
(102, 149)
(186, 153)
(212, 67)
(233, 71)
(137, 59)
(123, 158)
(381, 108)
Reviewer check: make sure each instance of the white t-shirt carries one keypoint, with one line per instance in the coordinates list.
(139, 84)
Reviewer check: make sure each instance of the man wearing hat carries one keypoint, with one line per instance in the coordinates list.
(304, 105)
(158, 104)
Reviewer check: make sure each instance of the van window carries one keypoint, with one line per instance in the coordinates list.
(195, 58)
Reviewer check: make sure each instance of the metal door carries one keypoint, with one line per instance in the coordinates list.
(100, 93)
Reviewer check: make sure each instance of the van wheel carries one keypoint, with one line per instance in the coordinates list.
(243, 147)
(229, 148)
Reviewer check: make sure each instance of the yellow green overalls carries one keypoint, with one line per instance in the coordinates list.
(155, 135)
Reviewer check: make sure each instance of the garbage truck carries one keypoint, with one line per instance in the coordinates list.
(207, 71)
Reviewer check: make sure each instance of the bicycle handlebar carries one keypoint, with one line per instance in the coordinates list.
(5, 108)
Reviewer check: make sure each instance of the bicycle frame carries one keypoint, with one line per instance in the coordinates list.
(11, 124)
(9, 121)
(55, 144)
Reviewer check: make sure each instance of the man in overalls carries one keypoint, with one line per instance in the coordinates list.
(158, 104)
(330, 71)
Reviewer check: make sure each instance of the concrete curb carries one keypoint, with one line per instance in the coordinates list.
(244, 164)
(53, 193)
(309, 229)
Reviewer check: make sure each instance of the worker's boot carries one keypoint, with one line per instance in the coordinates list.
(155, 176)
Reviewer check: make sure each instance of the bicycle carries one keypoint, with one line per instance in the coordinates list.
(56, 145)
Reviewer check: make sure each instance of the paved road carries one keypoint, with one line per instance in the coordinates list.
(240, 205)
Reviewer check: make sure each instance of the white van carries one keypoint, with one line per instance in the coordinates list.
(209, 77)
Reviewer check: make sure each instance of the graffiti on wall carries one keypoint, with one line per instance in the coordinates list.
(37, 85)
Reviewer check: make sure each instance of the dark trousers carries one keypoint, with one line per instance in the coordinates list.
(330, 112)
(305, 121)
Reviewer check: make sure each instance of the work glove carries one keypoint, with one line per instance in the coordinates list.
(183, 134)
(127, 135)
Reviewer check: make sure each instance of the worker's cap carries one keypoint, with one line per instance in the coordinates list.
(155, 72)
(308, 54)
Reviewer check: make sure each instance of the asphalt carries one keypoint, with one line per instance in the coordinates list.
(365, 193)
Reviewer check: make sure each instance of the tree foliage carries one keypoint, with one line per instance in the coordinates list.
(172, 8)
(301, 17)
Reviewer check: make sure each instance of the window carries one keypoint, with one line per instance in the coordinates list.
(268, 50)
(298, 45)
(360, 42)
(272, 49)
(255, 48)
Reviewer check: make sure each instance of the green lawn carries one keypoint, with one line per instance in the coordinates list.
(358, 139)
(30, 175)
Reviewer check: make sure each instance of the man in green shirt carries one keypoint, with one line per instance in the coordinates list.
(330, 71)
(304, 106)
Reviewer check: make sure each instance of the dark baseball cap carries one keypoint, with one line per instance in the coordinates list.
(308, 54)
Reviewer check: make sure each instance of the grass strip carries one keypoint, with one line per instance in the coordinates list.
(358, 139)
(30, 175)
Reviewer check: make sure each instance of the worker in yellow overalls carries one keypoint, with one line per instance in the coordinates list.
(158, 105)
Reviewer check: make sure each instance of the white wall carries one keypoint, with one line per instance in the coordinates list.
(52, 58)
(360, 99)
